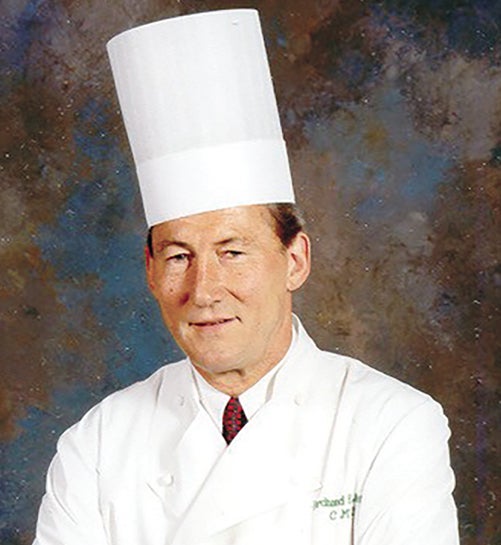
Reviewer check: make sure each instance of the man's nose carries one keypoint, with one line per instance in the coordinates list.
(206, 284)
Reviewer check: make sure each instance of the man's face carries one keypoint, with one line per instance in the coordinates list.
(223, 282)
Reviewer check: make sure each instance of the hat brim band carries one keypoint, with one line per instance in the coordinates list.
(224, 176)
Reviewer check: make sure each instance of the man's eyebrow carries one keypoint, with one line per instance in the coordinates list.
(232, 240)
(164, 243)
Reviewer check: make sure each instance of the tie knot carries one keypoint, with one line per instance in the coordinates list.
(234, 419)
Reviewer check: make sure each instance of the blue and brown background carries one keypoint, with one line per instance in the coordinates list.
(392, 113)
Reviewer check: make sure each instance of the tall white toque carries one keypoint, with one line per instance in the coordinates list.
(200, 112)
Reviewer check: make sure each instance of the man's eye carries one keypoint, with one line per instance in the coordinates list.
(232, 254)
(178, 258)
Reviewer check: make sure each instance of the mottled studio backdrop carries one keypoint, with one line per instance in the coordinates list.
(392, 113)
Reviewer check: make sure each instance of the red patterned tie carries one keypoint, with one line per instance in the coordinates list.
(234, 419)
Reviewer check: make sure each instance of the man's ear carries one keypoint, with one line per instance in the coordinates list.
(299, 253)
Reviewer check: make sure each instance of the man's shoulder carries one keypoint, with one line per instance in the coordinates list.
(148, 390)
(365, 387)
(372, 407)
(135, 402)
(357, 383)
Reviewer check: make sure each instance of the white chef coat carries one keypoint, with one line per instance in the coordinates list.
(341, 454)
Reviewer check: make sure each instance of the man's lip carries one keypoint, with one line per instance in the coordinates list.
(211, 322)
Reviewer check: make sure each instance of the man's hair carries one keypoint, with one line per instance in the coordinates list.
(287, 218)
(288, 221)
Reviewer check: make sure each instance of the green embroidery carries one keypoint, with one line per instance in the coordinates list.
(342, 507)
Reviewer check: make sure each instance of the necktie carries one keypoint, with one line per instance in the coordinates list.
(234, 419)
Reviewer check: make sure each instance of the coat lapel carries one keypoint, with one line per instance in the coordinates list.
(253, 475)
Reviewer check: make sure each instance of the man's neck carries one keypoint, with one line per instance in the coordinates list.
(235, 382)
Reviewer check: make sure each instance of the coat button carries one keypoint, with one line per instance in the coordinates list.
(166, 480)
(180, 400)
(298, 399)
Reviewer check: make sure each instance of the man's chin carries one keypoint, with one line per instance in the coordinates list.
(215, 362)
(216, 366)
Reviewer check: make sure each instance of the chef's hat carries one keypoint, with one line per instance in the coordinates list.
(198, 104)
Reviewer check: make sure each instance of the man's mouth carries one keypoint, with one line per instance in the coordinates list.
(212, 322)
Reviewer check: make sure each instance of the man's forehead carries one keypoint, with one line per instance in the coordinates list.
(236, 217)
(242, 222)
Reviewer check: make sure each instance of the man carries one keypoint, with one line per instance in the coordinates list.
(258, 437)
